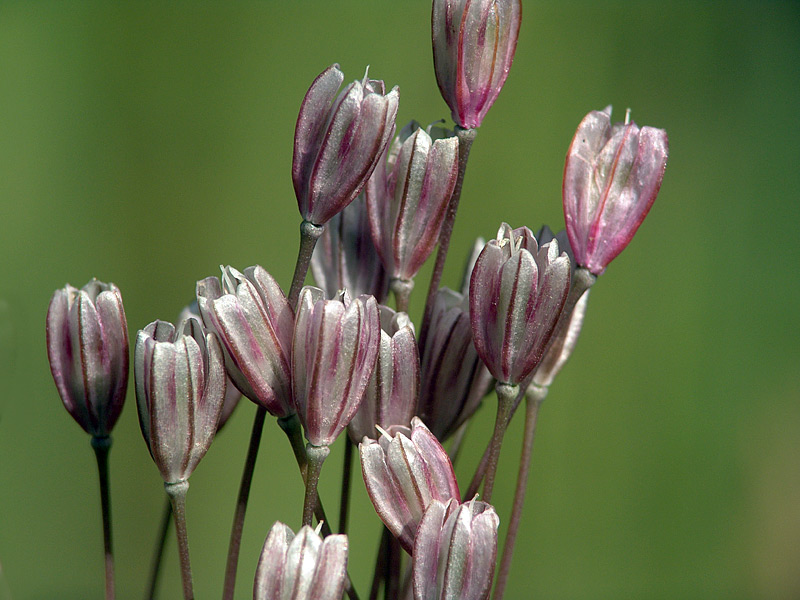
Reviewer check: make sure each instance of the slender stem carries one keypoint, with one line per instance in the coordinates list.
(456, 443)
(158, 553)
(315, 456)
(533, 399)
(101, 446)
(241, 504)
(582, 280)
(506, 394)
(309, 234)
(347, 476)
(465, 139)
(401, 288)
(392, 587)
(380, 562)
(177, 494)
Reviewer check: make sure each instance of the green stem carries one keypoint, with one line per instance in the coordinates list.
(533, 398)
(241, 504)
(309, 234)
(158, 554)
(102, 446)
(465, 139)
(401, 288)
(177, 494)
(347, 477)
(315, 456)
(506, 394)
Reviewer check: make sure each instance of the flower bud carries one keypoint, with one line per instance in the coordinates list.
(391, 396)
(407, 197)
(254, 322)
(301, 567)
(454, 380)
(334, 351)
(455, 551)
(404, 473)
(345, 257)
(611, 179)
(338, 141)
(87, 346)
(180, 387)
(516, 295)
(473, 46)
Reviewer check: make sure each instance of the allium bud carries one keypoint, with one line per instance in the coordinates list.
(180, 387)
(516, 294)
(455, 551)
(407, 198)
(302, 567)
(338, 141)
(232, 393)
(391, 396)
(345, 257)
(334, 351)
(611, 179)
(454, 380)
(473, 46)
(404, 473)
(254, 322)
(87, 346)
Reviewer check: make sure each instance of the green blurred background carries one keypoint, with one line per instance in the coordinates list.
(147, 143)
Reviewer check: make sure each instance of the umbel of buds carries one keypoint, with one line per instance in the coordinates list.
(334, 351)
(87, 346)
(516, 295)
(455, 551)
(473, 47)
(407, 198)
(404, 473)
(611, 179)
(254, 321)
(301, 567)
(180, 387)
(338, 140)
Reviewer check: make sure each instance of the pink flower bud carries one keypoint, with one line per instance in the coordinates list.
(338, 141)
(611, 179)
(473, 46)
(87, 346)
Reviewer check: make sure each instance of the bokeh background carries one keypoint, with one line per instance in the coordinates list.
(148, 143)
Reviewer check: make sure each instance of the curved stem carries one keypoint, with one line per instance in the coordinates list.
(315, 456)
(401, 288)
(309, 234)
(465, 139)
(241, 504)
(533, 398)
(101, 446)
(347, 476)
(158, 554)
(177, 494)
(506, 394)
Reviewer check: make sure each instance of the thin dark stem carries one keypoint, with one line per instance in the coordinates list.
(101, 446)
(177, 494)
(456, 443)
(465, 139)
(347, 476)
(158, 553)
(315, 456)
(241, 504)
(309, 234)
(506, 394)
(401, 288)
(392, 587)
(533, 398)
(380, 565)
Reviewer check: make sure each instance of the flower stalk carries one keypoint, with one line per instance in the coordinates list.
(101, 446)
(177, 495)
(506, 395)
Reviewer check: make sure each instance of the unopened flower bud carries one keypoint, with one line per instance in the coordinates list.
(87, 346)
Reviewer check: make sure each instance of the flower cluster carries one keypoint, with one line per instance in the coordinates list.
(336, 357)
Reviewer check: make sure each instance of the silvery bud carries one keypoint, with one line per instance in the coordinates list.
(180, 387)
(455, 551)
(338, 140)
(391, 396)
(301, 567)
(87, 346)
(334, 351)
(404, 473)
